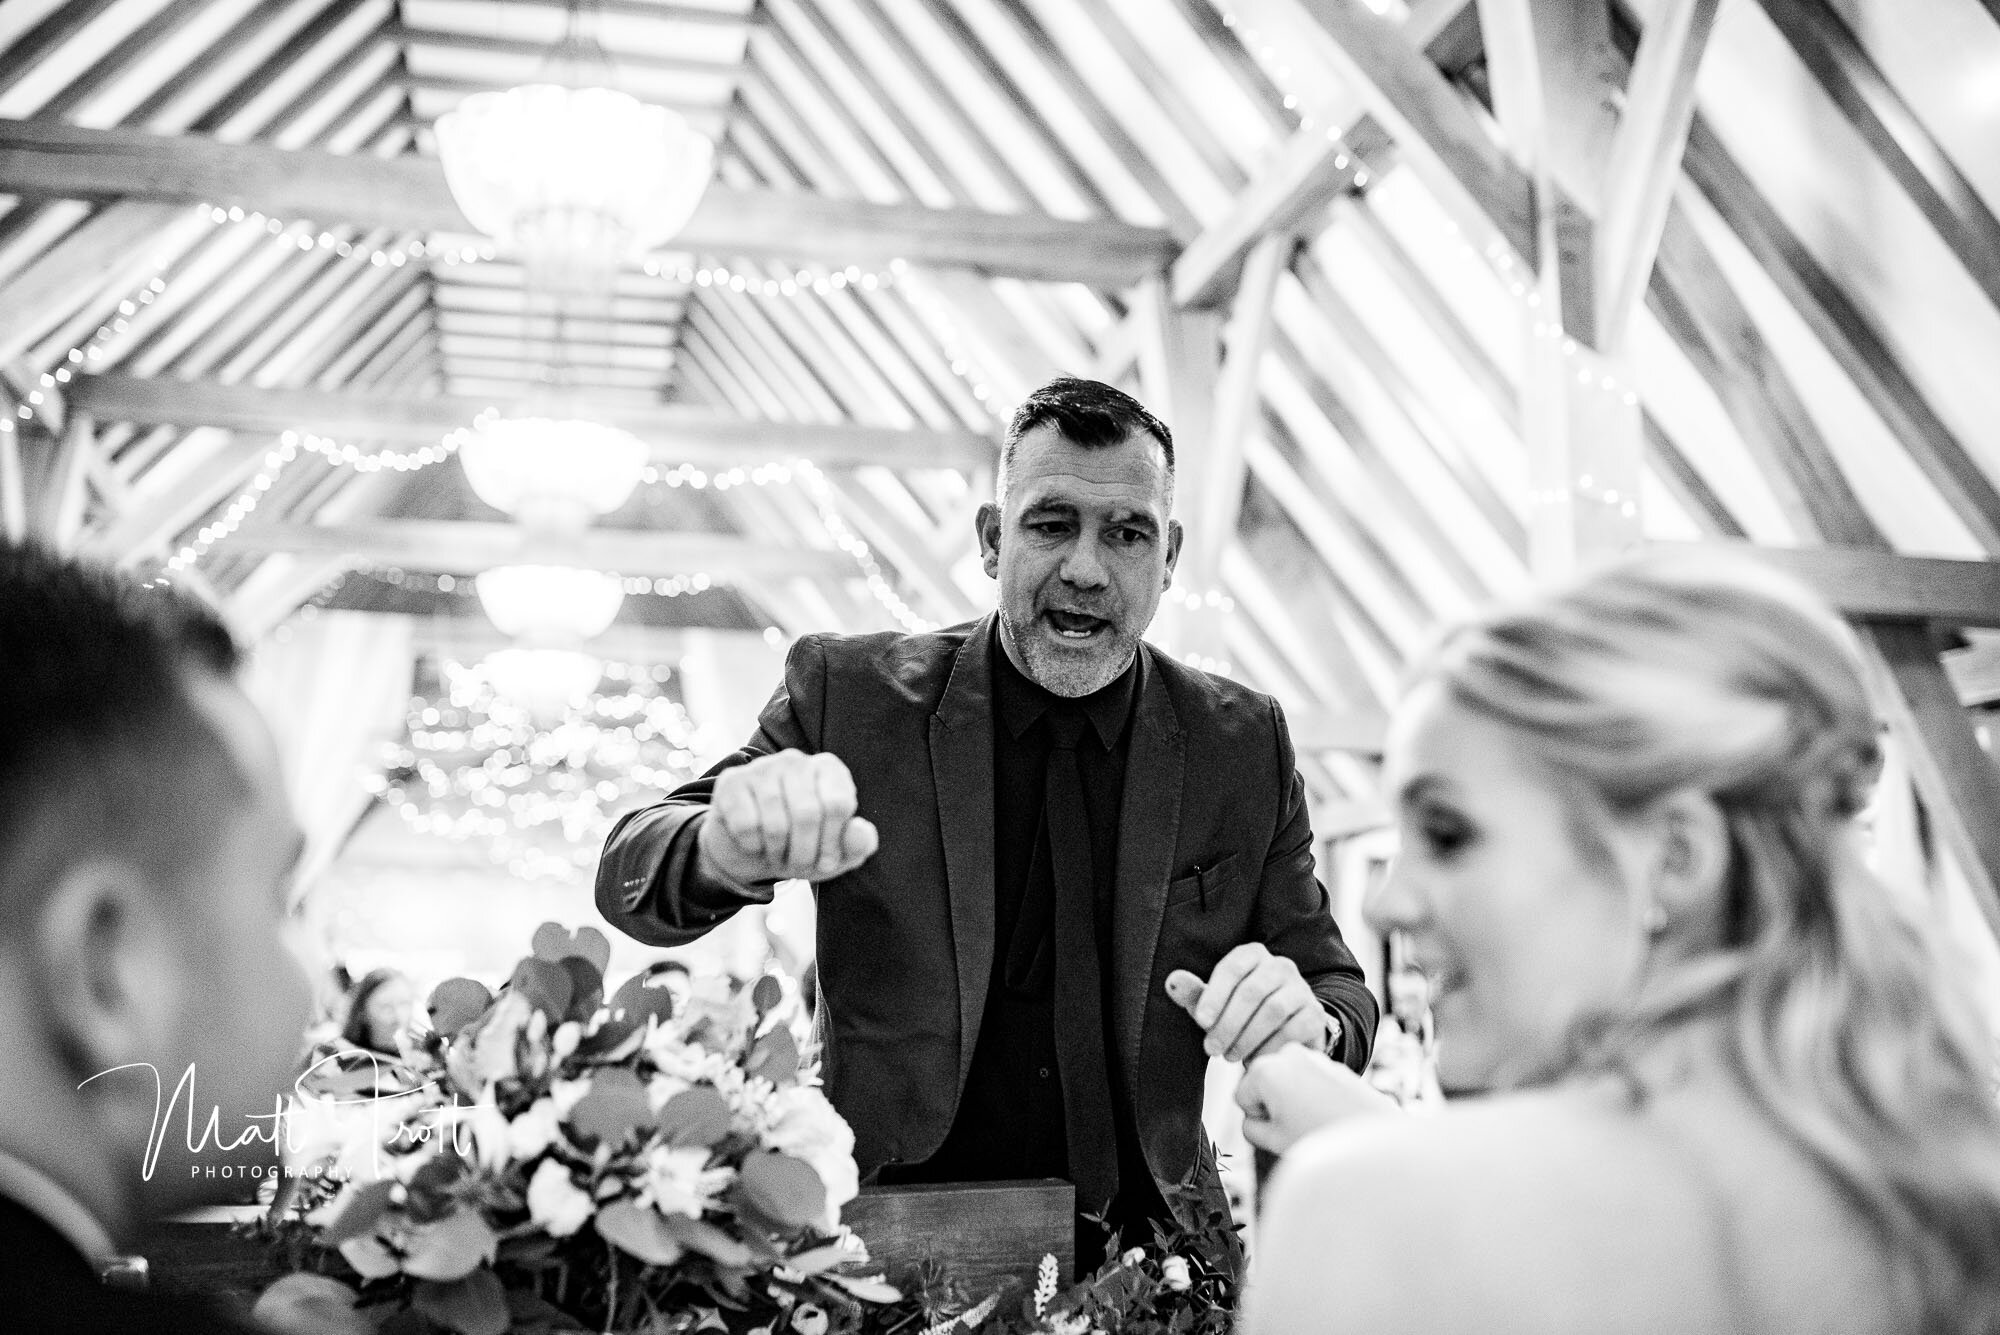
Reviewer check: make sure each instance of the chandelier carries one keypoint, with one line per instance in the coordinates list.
(552, 473)
(576, 180)
(543, 684)
(549, 604)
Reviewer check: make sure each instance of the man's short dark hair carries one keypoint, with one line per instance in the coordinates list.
(1088, 413)
(101, 744)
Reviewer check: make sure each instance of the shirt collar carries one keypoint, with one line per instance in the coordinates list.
(35, 1191)
(1020, 701)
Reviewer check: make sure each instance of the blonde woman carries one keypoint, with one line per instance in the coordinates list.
(1737, 1088)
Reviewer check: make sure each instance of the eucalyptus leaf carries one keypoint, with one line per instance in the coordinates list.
(473, 1305)
(616, 1104)
(698, 1116)
(357, 1213)
(639, 1232)
(456, 1003)
(785, 1189)
(554, 942)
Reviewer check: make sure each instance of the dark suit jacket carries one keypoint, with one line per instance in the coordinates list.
(1214, 850)
(46, 1285)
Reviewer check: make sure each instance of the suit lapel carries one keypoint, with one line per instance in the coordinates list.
(1148, 823)
(961, 738)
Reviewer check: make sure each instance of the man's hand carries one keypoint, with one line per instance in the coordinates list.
(1254, 1002)
(1290, 1092)
(784, 816)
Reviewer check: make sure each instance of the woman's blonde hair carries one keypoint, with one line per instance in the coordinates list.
(1842, 1019)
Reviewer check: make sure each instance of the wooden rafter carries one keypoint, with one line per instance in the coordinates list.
(676, 434)
(467, 547)
(1950, 202)
(409, 193)
(1878, 370)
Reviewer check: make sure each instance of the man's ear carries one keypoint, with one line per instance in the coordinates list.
(987, 525)
(100, 962)
(1173, 551)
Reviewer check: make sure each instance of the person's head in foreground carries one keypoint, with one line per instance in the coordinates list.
(1747, 1092)
(145, 852)
(377, 1010)
(1081, 537)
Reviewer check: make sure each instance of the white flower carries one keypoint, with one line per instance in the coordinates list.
(488, 1054)
(1132, 1256)
(534, 1130)
(568, 1034)
(491, 1134)
(557, 1203)
(370, 1257)
(568, 1093)
(806, 1127)
(679, 1180)
(809, 1319)
(1174, 1274)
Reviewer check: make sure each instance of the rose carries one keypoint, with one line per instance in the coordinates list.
(1174, 1275)
(806, 1127)
(557, 1203)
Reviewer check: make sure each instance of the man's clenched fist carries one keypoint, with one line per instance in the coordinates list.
(784, 816)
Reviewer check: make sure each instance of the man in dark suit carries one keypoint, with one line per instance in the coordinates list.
(146, 849)
(1025, 832)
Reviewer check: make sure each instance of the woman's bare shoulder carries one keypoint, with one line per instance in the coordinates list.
(1506, 1215)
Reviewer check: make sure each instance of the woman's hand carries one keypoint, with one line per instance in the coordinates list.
(1293, 1091)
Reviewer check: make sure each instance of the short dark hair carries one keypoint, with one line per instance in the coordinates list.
(1089, 413)
(101, 743)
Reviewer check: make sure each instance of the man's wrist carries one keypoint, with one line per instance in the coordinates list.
(1330, 1045)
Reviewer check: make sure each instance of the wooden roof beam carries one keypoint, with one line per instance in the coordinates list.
(677, 435)
(1338, 139)
(1951, 203)
(1868, 584)
(468, 547)
(409, 193)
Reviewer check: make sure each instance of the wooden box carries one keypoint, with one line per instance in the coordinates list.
(979, 1232)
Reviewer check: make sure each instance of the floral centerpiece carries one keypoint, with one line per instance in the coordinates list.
(547, 1159)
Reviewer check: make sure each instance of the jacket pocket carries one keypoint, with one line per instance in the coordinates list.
(1204, 882)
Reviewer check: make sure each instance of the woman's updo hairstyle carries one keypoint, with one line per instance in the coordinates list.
(1841, 1017)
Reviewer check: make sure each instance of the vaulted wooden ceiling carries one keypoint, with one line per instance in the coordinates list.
(1314, 232)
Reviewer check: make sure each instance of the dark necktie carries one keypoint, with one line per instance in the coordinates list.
(1079, 992)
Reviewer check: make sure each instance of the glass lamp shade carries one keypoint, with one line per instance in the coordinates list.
(550, 604)
(544, 682)
(574, 178)
(552, 473)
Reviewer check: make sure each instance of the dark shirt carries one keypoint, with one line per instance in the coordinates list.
(1009, 1122)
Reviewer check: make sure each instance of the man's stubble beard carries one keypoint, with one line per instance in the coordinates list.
(1063, 674)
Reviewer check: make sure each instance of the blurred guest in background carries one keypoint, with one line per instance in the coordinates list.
(146, 850)
(1741, 1088)
(378, 1009)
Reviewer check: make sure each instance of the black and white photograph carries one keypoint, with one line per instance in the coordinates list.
(1000, 667)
